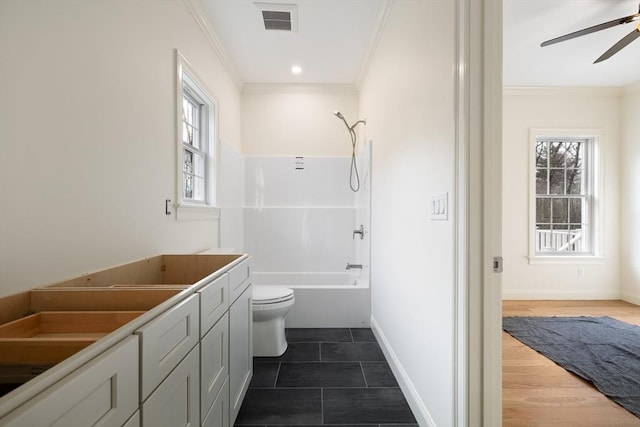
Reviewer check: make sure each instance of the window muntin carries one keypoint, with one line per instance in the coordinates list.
(563, 196)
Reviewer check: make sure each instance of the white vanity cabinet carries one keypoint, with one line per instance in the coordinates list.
(240, 349)
(102, 392)
(176, 401)
(180, 354)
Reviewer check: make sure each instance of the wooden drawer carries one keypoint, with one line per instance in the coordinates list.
(214, 302)
(47, 338)
(103, 392)
(214, 363)
(239, 279)
(218, 415)
(165, 341)
(176, 401)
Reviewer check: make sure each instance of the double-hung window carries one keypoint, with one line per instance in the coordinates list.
(197, 130)
(563, 202)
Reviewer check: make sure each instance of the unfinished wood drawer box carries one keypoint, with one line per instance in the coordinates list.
(239, 279)
(102, 392)
(214, 302)
(47, 338)
(165, 341)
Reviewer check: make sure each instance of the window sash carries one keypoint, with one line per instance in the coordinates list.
(562, 207)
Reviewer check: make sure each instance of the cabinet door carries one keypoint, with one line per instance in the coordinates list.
(165, 341)
(240, 350)
(214, 302)
(239, 279)
(176, 401)
(103, 392)
(214, 363)
(218, 415)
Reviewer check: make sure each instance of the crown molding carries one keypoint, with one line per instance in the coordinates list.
(278, 88)
(195, 7)
(381, 21)
(562, 90)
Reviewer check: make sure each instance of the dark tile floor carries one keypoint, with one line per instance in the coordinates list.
(327, 376)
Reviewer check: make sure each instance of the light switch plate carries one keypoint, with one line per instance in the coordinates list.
(439, 207)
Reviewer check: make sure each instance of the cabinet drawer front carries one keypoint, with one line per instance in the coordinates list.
(214, 363)
(218, 415)
(214, 302)
(103, 392)
(239, 279)
(134, 421)
(175, 402)
(165, 341)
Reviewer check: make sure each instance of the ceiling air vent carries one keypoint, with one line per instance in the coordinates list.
(283, 17)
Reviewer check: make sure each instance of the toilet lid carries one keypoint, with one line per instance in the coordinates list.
(271, 294)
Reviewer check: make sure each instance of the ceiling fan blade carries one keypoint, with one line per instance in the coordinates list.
(618, 46)
(593, 29)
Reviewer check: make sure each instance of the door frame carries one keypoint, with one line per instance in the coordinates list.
(478, 365)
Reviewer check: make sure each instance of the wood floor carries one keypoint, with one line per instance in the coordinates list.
(537, 392)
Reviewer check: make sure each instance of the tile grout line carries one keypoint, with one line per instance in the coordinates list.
(322, 405)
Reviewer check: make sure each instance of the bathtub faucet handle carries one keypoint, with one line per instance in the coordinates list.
(359, 231)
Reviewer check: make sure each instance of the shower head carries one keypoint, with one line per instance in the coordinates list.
(339, 115)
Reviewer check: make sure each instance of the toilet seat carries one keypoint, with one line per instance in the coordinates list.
(263, 294)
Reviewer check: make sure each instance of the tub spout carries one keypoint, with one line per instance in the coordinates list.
(350, 266)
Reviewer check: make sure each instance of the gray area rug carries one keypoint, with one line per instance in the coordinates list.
(602, 350)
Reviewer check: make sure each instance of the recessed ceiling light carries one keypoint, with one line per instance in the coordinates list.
(296, 69)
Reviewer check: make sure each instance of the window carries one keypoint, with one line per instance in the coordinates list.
(194, 144)
(197, 130)
(563, 202)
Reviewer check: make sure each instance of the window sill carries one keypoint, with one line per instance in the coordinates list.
(566, 259)
(197, 212)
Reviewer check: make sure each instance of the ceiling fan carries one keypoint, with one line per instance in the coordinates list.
(613, 49)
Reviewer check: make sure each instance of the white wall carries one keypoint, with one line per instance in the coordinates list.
(558, 108)
(87, 114)
(407, 97)
(290, 120)
(630, 183)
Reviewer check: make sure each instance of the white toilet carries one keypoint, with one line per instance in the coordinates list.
(270, 306)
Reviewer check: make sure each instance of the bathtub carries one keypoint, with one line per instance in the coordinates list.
(323, 300)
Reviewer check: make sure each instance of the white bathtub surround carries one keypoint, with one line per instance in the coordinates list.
(299, 219)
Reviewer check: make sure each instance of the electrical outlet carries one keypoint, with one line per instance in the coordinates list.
(580, 272)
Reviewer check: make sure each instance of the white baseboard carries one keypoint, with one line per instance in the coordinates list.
(420, 412)
(632, 298)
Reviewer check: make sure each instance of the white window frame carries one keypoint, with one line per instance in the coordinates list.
(593, 165)
(190, 209)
